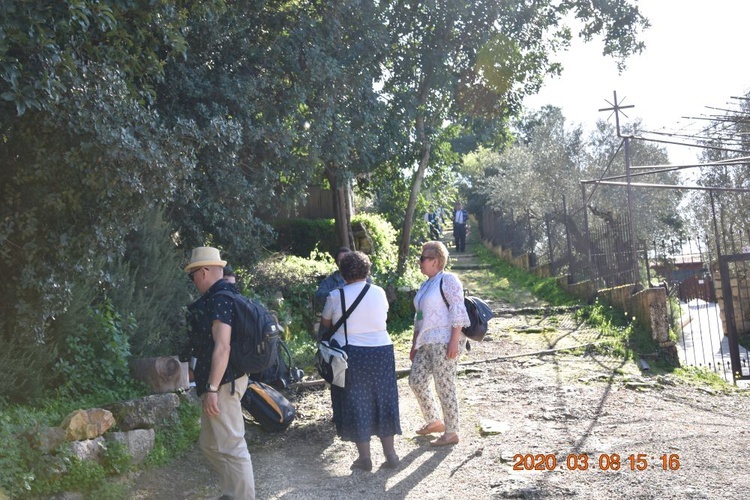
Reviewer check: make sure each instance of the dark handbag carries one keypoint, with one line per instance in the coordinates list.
(330, 360)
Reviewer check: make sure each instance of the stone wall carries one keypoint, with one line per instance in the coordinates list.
(740, 289)
(649, 306)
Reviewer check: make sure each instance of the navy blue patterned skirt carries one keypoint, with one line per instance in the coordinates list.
(368, 406)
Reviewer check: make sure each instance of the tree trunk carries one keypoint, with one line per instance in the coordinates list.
(342, 209)
(162, 374)
(416, 185)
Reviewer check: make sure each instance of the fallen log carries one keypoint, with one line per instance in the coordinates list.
(462, 366)
(535, 353)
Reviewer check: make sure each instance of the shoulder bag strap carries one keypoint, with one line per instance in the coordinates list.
(347, 312)
(344, 316)
(443, 293)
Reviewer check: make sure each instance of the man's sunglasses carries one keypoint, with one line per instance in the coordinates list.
(423, 258)
(191, 273)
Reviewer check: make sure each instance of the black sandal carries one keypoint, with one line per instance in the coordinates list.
(391, 461)
(364, 464)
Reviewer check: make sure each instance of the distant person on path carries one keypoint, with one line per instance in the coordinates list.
(437, 344)
(460, 219)
(368, 405)
(222, 436)
(434, 220)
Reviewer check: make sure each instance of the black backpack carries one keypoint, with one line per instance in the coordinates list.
(280, 373)
(255, 336)
(479, 313)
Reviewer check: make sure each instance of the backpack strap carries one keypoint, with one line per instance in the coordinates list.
(233, 295)
(346, 313)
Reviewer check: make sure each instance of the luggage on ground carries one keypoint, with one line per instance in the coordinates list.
(281, 373)
(268, 407)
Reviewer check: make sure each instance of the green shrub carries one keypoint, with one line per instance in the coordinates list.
(179, 433)
(384, 254)
(26, 371)
(116, 459)
(15, 478)
(94, 356)
(111, 310)
(148, 285)
(287, 284)
(303, 237)
(401, 311)
(80, 475)
(300, 237)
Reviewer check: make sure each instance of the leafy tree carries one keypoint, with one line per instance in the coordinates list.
(539, 177)
(345, 115)
(84, 153)
(281, 98)
(656, 210)
(535, 178)
(729, 140)
(233, 87)
(455, 59)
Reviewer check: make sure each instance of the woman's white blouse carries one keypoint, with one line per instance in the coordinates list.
(437, 320)
(366, 327)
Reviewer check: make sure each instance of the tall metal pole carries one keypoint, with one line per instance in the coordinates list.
(728, 300)
(631, 215)
(617, 108)
(586, 228)
(567, 238)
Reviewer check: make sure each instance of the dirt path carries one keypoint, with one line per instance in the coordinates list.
(627, 435)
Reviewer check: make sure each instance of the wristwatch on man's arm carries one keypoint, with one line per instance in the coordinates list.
(211, 388)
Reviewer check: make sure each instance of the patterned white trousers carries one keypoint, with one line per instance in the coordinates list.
(431, 363)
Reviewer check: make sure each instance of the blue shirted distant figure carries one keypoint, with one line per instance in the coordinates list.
(460, 219)
(332, 281)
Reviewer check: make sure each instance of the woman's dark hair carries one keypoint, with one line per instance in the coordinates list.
(354, 266)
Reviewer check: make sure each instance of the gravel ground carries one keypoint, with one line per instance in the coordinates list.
(596, 427)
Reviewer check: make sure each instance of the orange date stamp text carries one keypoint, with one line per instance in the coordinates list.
(603, 461)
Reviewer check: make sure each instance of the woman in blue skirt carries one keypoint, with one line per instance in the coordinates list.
(368, 405)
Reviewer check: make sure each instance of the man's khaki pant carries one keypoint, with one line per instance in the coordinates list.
(223, 442)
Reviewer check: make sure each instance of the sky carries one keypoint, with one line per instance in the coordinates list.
(696, 57)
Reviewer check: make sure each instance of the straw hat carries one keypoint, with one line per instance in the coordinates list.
(205, 256)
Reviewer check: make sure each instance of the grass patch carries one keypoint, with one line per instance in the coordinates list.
(702, 377)
(618, 334)
(504, 282)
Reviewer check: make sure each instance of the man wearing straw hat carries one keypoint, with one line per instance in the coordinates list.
(222, 437)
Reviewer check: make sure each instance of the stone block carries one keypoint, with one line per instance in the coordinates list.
(88, 449)
(138, 442)
(144, 413)
(87, 424)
